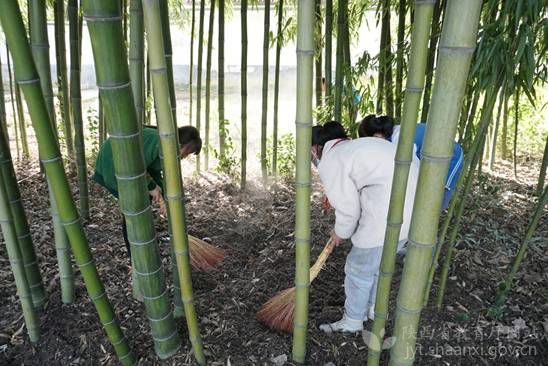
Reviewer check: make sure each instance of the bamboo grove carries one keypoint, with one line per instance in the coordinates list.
(461, 66)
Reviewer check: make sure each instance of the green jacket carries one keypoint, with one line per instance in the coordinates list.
(104, 165)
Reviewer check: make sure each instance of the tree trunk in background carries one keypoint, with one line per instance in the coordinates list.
(516, 123)
(221, 79)
(348, 82)
(137, 58)
(470, 120)
(542, 174)
(12, 97)
(3, 117)
(389, 84)
(504, 137)
(383, 57)
(459, 36)
(76, 104)
(339, 68)
(199, 76)
(492, 154)
(22, 124)
(303, 124)
(328, 46)
(432, 51)
(243, 91)
(279, 42)
(208, 80)
(62, 80)
(264, 113)
(318, 52)
(168, 54)
(402, 12)
(191, 71)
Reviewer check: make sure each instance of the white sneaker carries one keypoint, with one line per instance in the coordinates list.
(371, 314)
(343, 325)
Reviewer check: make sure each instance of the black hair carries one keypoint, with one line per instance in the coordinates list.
(372, 125)
(329, 131)
(189, 135)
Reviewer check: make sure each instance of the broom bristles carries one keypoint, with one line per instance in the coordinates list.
(278, 312)
(204, 256)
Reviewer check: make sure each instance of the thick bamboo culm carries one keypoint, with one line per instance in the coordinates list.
(76, 106)
(173, 179)
(137, 58)
(328, 46)
(12, 97)
(243, 91)
(279, 311)
(20, 224)
(17, 265)
(457, 44)
(40, 52)
(210, 29)
(403, 159)
(303, 126)
(221, 77)
(339, 59)
(168, 53)
(191, 71)
(105, 27)
(27, 77)
(22, 124)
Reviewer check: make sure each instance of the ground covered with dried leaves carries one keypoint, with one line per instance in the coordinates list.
(255, 229)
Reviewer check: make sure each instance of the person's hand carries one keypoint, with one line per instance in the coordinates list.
(326, 204)
(162, 210)
(335, 239)
(156, 195)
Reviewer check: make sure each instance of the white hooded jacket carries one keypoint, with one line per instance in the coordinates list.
(357, 177)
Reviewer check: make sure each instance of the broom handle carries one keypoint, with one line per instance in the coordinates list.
(322, 258)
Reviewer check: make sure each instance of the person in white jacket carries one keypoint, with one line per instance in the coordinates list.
(357, 178)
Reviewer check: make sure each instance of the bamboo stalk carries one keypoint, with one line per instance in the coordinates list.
(339, 67)
(105, 28)
(403, 160)
(32, 321)
(504, 137)
(27, 77)
(457, 44)
(168, 53)
(318, 58)
(328, 46)
(516, 123)
(137, 59)
(243, 91)
(221, 78)
(76, 106)
(191, 71)
(173, 178)
(12, 98)
(384, 43)
(208, 80)
(3, 117)
(22, 123)
(542, 173)
(199, 77)
(279, 42)
(402, 13)
(493, 144)
(303, 125)
(264, 110)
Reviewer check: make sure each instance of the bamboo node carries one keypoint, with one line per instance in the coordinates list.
(396, 225)
(413, 90)
(130, 177)
(50, 160)
(380, 315)
(160, 319)
(140, 243)
(123, 339)
(187, 301)
(457, 50)
(137, 213)
(97, 297)
(420, 245)
(157, 70)
(402, 162)
(407, 311)
(130, 136)
(155, 297)
(21, 237)
(125, 356)
(84, 264)
(302, 241)
(16, 200)
(302, 184)
(38, 284)
(98, 18)
(435, 159)
(303, 124)
(304, 52)
(39, 45)
(4, 161)
(143, 274)
(176, 197)
(34, 262)
(306, 285)
(30, 81)
(75, 221)
(111, 321)
(425, 2)
(114, 86)
(181, 253)
(163, 339)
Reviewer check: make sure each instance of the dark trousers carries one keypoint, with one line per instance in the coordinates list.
(124, 233)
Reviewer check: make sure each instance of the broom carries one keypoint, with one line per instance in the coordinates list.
(278, 312)
(204, 256)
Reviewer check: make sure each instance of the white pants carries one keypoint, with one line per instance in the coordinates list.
(361, 277)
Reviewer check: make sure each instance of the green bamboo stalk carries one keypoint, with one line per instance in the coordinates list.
(221, 78)
(173, 184)
(432, 50)
(32, 321)
(402, 13)
(470, 162)
(168, 50)
(264, 110)
(542, 174)
(3, 117)
(506, 285)
(318, 58)
(403, 159)
(468, 99)
(76, 106)
(279, 42)
(303, 125)
(40, 52)
(199, 77)
(62, 80)
(12, 98)
(456, 47)
(389, 85)
(191, 71)
(504, 137)
(493, 144)
(470, 120)
(22, 123)
(516, 123)
(102, 129)
(384, 43)
(348, 75)
(208, 79)
(243, 91)
(105, 28)
(328, 46)
(339, 67)
(137, 58)
(27, 77)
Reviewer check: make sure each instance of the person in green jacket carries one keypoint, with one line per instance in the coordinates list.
(189, 143)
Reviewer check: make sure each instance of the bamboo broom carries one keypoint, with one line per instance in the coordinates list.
(278, 312)
(204, 256)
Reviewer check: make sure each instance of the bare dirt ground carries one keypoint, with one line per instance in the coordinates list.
(256, 230)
